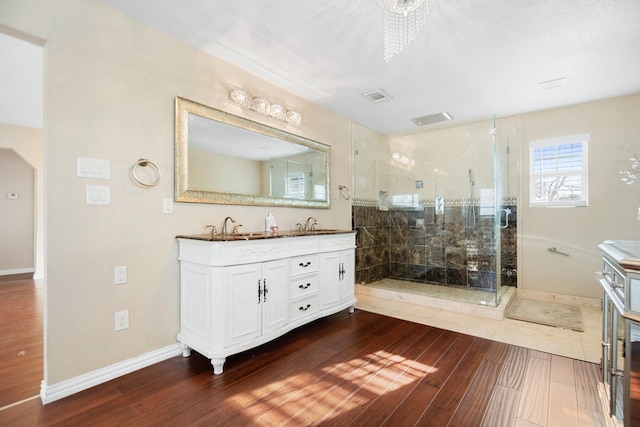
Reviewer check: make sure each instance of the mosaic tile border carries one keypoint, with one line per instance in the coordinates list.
(507, 201)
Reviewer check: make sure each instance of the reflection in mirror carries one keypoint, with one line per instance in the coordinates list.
(227, 159)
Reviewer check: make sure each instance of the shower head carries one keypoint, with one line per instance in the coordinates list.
(471, 181)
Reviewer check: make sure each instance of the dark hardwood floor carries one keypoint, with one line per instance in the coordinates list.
(21, 348)
(360, 369)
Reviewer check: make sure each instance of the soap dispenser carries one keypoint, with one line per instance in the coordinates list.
(269, 222)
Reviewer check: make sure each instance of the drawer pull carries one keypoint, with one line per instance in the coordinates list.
(306, 264)
(264, 290)
(304, 286)
(304, 308)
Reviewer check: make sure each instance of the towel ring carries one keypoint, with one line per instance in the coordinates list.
(344, 192)
(144, 163)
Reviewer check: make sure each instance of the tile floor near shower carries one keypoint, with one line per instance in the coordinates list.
(459, 310)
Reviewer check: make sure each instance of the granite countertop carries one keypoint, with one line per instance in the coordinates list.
(624, 252)
(260, 235)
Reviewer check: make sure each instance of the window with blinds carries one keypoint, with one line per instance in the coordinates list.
(559, 172)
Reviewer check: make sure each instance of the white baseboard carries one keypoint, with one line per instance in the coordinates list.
(51, 393)
(16, 271)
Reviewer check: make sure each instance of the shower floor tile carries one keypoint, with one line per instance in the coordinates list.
(457, 299)
(455, 293)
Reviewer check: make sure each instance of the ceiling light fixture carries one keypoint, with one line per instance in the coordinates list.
(402, 22)
(263, 106)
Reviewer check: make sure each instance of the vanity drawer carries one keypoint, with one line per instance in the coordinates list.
(304, 264)
(305, 285)
(304, 307)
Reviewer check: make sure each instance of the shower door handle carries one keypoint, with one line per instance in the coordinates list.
(507, 212)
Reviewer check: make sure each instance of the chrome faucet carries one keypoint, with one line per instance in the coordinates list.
(311, 224)
(214, 231)
(224, 225)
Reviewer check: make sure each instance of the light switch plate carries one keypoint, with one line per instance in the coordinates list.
(93, 168)
(98, 195)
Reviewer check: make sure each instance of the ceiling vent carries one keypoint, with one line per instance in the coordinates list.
(377, 96)
(433, 118)
(552, 84)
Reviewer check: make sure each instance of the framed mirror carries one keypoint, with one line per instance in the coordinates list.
(226, 159)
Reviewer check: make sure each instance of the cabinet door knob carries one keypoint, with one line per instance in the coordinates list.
(305, 308)
(304, 286)
(259, 291)
(306, 264)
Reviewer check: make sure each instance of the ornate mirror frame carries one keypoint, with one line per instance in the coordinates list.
(184, 107)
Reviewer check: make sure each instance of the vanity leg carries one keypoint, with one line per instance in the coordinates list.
(217, 365)
(352, 309)
(186, 351)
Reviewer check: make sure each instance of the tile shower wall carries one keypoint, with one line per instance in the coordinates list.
(372, 243)
(453, 248)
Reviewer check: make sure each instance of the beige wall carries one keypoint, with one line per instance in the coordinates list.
(110, 85)
(442, 159)
(371, 163)
(614, 125)
(18, 214)
(210, 171)
(28, 144)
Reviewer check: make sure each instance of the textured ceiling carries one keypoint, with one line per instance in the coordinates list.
(473, 58)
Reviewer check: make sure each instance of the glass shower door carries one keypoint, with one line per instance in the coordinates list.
(431, 210)
(504, 136)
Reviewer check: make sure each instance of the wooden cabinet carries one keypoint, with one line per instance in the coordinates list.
(236, 295)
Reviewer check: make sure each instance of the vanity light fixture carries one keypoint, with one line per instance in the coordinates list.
(263, 106)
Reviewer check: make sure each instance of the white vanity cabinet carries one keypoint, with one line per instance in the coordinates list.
(256, 300)
(238, 294)
(338, 271)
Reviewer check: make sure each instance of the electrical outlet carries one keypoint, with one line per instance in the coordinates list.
(120, 275)
(122, 320)
(167, 205)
